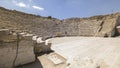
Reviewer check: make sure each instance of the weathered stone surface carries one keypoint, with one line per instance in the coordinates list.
(118, 30)
(4, 32)
(100, 26)
(8, 48)
(88, 52)
(41, 46)
(52, 60)
(93, 26)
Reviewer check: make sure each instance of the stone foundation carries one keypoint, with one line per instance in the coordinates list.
(8, 48)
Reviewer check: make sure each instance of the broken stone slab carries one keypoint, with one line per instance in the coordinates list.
(52, 60)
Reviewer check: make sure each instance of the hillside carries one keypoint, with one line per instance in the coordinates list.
(100, 26)
(47, 26)
(17, 20)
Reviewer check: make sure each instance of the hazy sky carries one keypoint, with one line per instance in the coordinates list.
(63, 8)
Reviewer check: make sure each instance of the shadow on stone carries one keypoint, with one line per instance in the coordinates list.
(42, 53)
(36, 64)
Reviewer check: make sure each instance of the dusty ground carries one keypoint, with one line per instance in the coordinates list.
(88, 52)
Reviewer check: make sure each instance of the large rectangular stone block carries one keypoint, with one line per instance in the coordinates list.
(52, 60)
(8, 49)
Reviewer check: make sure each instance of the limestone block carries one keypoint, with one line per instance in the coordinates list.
(47, 47)
(42, 47)
(25, 53)
(34, 38)
(52, 60)
(39, 47)
(39, 40)
(4, 32)
(27, 36)
(8, 38)
(118, 29)
(8, 53)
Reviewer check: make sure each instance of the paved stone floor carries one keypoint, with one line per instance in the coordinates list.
(88, 52)
(85, 52)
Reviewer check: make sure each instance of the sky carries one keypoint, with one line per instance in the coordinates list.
(63, 9)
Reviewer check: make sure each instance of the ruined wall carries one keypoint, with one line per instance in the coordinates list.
(8, 47)
(101, 26)
(41, 45)
(79, 28)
